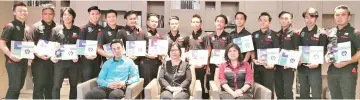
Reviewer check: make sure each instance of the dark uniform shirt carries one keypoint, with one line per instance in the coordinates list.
(234, 34)
(266, 40)
(41, 31)
(90, 32)
(128, 34)
(15, 31)
(107, 35)
(218, 42)
(63, 36)
(196, 41)
(179, 38)
(289, 39)
(348, 33)
(314, 37)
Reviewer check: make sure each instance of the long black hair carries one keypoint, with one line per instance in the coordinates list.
(231, 45)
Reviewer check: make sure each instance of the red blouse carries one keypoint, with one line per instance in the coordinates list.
(236, 77)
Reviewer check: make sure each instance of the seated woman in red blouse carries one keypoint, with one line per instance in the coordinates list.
(236, 77)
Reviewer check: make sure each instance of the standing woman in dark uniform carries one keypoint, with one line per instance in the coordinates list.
(108, 34)
(240, 31)
(218, 40)
(91, 63)
(42, 67)
(174, 35)
(197, 41)
(65, 34)
(131, 33)
(148, 67)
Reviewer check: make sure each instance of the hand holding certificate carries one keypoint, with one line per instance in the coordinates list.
(86, 47)
(158, 47)
(22, 49)
(66, 52)
(198, 57)
(217, 56)
(268, 56)
(312, 54)
(343, 52)
(289, 58)
(135, 48)
(245, 43)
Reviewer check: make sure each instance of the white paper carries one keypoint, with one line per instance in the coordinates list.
(86, 47)
(217, 56)
(245, 43)
(22, 49)
(135, 48)
(343, 52)
(312, 54)
(268, 56)
(198, 57)
(289, 58)
(158, 47)
(70, 52)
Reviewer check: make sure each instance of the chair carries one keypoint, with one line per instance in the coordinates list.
(259, 91)
(153, 89)
(131, 92)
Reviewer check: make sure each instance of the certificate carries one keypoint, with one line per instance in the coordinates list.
(45, 47)
(86, 47)
(289, 58)
(245, 43)
(217, 56)
(135, 48)
(312, 54)
(268, 56)
(22, 49)
(66, 52)
(343, 52)
(198, 57)
(158, 47)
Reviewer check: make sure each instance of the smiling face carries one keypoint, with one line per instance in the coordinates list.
(233, 54)
(175, 52)
(47, 15)
(111, 19)
(220, 23)
(264, 22)
(131, 20)
(94, 15)
(21, 12)
(342, 17)
(240, 20)
(67, 17)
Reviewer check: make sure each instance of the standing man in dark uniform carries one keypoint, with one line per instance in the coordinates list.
(265, 38)
(15, 67)
(218, 40)
(342, 75)
(42, 67)
(174, 35)
(130, 32)
(65, 34)
(91, 64)
(240, 31)
(310, 74)
(108, 34)
(289, 40)
(197, 41)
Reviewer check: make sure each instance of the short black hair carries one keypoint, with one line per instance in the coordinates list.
(223, 16)
(93, 8)
(265, 14)
(344, 7)
(174, 17)
(242, 14)
(48, 6)
(152, 14)
(110, 11)
(71, 12)
(174, 44)
(128, 13)
(197, 16)
(116, 41)
(286, 12)
(311, 11)
(18, 4)
(240, 58)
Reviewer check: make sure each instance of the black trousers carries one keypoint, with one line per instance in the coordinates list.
(200, 74)
(16, 74)
(148, 69)
(61, 69)
(43, 78)
(264, 77)
(310, 78)
(284, 79)
(105, 93)
(90, 68)
(342, 82)
(166, 94)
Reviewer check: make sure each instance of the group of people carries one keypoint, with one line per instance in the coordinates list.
(237, 74)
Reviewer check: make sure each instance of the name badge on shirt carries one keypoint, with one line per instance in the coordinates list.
(316, 35)
(127, 32)
(256, 35)
(89, 29)
(213, 38)
(288, 35)
(109, 33)
(223, 38)
(99, 29)
(269, 37)
(41, 28)
(346, 34)
(302, 34)
(18, 28)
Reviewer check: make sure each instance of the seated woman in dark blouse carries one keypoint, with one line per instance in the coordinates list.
(236, 77)
(175, 76)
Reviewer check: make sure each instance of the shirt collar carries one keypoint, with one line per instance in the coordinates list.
(230, 65)
(17, 22)
(127, 28)
(174, 37)
(286, 30)
(221, 35)
(242, 30)
(72, 26)
(120, 60)
(314, 30)
(344, 28)
(109, 28)
(92, 25)
(266, 32)
(53, 24)
(152, 33)
(198, 33)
